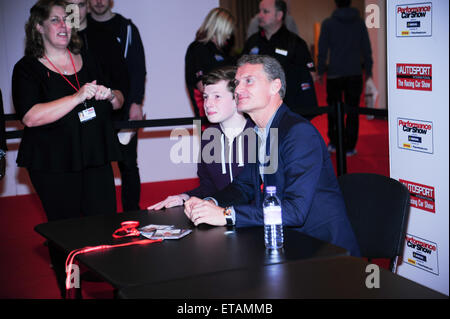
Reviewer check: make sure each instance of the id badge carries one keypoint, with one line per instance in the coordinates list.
(281, 52)
(87, 115)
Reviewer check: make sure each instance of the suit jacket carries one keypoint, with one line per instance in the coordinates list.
(301, 169)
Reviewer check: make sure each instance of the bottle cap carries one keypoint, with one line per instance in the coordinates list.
(271, 189)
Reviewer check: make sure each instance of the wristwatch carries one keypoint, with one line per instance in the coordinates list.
(228, 217)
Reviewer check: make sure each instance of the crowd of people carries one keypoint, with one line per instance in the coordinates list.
(80, 79)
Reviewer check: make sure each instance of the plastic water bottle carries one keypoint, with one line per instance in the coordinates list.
(273, 228)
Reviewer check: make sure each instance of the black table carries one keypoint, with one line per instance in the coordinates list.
(206, 250)
(337, 278)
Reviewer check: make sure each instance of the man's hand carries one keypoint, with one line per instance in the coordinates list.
(170, 201)
(189, 205)
(135, 112)
(201, 211)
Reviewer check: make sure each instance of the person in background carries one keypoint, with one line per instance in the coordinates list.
(103, 21)
(289, 22)
(209, 50)
(293, 158)
(345, 39)
(105, 48)
(291, 51)
(2, 139)
(68, 142)
(233, 147)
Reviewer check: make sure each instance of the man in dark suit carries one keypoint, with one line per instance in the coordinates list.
(295, 160)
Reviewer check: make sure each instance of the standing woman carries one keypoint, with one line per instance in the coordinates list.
(210, 50)
(68, 142)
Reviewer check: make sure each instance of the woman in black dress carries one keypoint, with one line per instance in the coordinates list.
(68, 142)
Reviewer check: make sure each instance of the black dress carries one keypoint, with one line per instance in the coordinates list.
(62, 157)
(66, 144)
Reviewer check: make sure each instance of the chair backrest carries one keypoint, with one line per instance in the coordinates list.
(378, 209)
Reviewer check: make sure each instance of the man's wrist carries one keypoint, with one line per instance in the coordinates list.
(211, 199)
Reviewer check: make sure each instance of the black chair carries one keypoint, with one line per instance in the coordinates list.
(378, 209)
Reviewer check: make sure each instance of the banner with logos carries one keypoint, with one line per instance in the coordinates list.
(418, 102)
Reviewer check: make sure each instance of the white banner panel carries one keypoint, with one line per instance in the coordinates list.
(418, 101)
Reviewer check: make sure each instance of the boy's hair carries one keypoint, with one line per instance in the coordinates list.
(221, 74)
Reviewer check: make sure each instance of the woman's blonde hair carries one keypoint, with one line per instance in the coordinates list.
(218, 24)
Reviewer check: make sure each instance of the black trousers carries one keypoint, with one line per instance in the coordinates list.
(129, 171)
(70, 195)
(350, 88)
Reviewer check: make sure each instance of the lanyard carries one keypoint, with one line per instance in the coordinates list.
(129, 228)
(74, 69)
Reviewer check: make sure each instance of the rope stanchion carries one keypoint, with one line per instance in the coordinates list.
(122, 124)
(341, 161)
(189, 120)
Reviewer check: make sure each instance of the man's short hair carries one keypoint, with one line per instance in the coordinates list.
(343, 3)
(280, 5)
(227, 73)
(271, 66)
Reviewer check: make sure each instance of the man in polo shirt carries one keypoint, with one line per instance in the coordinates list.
(291, 51)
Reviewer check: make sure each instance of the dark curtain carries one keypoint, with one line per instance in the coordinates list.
(243, 11)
